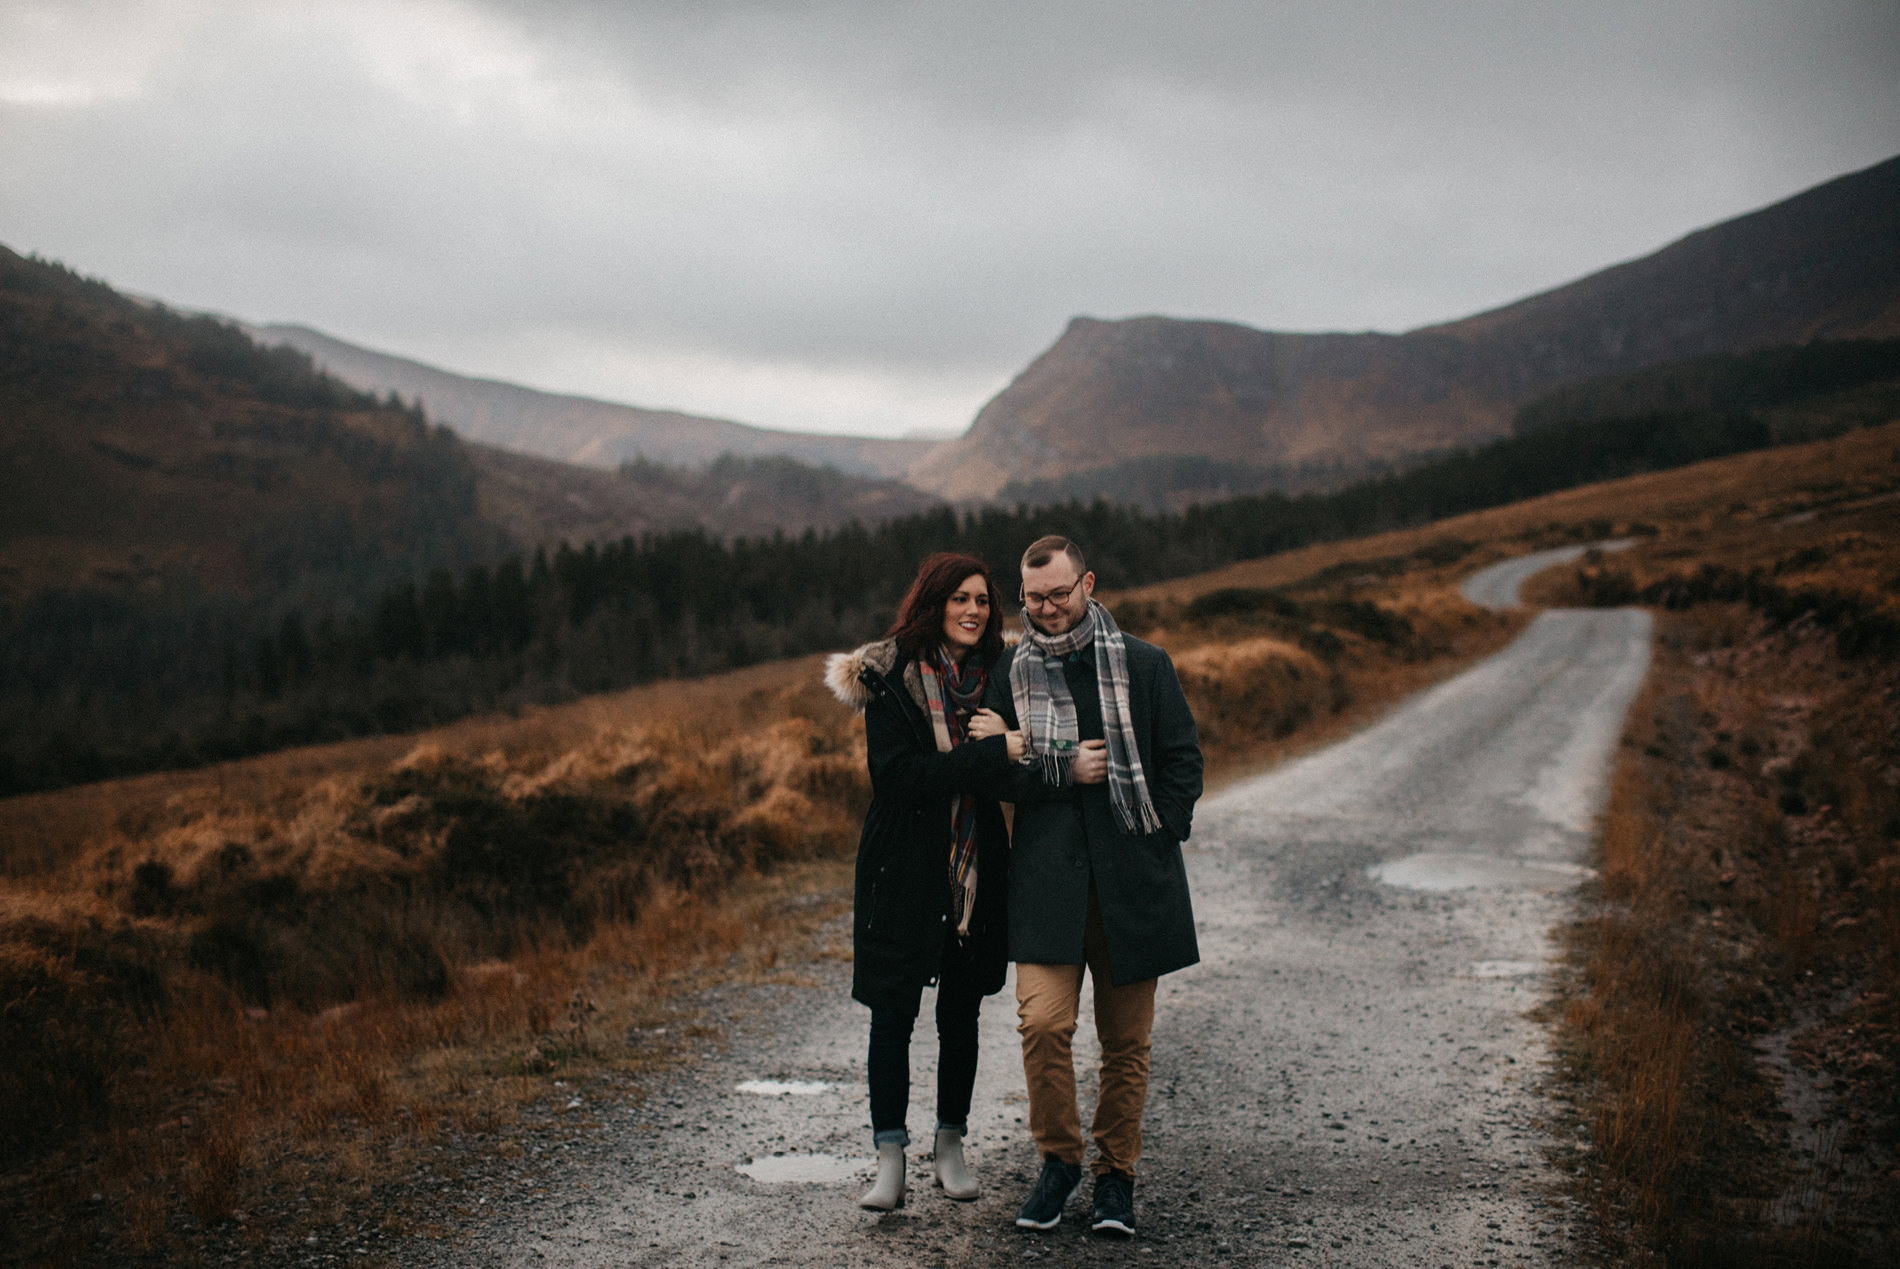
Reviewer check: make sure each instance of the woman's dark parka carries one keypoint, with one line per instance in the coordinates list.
(902, 911)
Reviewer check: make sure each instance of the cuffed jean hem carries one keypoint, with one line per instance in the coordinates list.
(962, 1130)
(886, 1136)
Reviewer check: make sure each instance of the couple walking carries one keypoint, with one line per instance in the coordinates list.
(1085, 730)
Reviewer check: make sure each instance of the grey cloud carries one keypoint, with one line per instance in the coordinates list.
(926, 192)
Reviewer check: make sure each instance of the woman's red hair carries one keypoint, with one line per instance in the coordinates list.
(919, 624)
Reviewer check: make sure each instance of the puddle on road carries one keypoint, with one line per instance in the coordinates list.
(1444, 871)
(1503, 969)
(808, 1169)
(784, 1088)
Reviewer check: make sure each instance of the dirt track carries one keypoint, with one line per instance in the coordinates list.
(1348, 1077)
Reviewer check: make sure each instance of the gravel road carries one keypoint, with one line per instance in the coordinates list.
(1348, 1078)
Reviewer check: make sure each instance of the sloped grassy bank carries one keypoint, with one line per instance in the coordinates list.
(1733, 1027)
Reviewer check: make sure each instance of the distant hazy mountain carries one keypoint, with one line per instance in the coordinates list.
(1823, 264)
(141, 447)
(580, 429)
(540, 501)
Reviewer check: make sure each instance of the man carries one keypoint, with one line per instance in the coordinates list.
(1104, 797)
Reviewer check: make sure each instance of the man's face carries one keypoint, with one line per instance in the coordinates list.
(1056, 599)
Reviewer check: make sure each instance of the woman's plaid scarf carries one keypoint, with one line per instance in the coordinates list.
(951, 691)
(1046, 712)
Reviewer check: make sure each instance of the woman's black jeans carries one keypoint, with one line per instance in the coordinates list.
(958, 1001)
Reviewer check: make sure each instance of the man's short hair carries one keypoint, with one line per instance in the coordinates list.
(1042, 550)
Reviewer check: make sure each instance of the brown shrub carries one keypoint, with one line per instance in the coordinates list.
(1252, 690)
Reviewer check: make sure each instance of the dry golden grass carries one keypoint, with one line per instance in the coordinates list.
(212, 984)
(1687, 503)
(230, 1102)
(1750, 897)
(41, 831)
(1265, 686)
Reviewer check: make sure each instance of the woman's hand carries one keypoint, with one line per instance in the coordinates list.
(986, 723)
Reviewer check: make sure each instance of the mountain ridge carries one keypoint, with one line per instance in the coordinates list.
(1823, 264)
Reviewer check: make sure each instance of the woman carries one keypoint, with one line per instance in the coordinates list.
(933, 861)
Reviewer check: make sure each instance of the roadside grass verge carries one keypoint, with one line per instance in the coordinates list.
(1731, 1029)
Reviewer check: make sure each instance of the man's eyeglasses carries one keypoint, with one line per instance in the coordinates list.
(1055, 598)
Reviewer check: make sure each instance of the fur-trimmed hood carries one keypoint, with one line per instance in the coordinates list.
(844, 671)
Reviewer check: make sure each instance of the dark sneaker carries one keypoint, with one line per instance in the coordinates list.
(1114, 1204)
(1054, 1188)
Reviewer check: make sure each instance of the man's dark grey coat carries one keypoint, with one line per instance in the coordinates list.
(1066, 837)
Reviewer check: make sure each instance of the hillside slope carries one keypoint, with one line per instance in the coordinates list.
(579, 429)
(140, 445)
(1323, 408)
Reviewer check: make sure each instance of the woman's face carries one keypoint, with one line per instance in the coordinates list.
(965, 615)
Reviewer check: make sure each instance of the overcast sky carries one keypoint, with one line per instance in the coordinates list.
(867, 217)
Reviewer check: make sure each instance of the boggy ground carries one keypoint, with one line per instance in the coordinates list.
(1733, 1023)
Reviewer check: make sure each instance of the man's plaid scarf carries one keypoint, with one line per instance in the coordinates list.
(952, 690)
(1046, 712)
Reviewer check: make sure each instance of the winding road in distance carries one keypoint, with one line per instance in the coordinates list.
(1348, 1078)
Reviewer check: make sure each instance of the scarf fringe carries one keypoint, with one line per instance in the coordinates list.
(1145, 820)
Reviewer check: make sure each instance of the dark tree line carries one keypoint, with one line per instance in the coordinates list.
(258, 488)
(116, 686)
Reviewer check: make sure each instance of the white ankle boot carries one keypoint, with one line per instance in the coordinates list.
(952, 1174)
(887, 1195)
